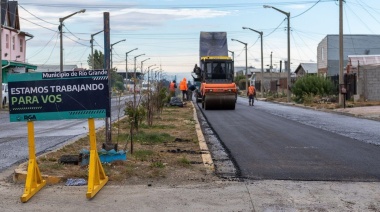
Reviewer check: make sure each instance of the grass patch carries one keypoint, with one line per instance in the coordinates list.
(157, 164)
(184, 162)
(158, 126)
(142, 155)
(152, 138)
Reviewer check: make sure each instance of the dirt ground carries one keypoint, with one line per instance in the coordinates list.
(167, 152)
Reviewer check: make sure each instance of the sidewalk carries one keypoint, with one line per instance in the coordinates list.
(265, 195)
(370, 112)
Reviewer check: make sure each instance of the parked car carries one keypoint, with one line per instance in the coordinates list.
(4, 91)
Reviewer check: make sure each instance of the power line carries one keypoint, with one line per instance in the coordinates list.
(35, 54)
(36, 16)
(307, 9)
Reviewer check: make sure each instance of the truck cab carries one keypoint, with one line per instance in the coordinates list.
(217, 69)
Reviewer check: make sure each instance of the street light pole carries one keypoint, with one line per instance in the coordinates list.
(148, 74)
(233, 55)
(111, 51)
(92, 48)
(262, 60)
(134, 81)
(60, 36)
(142, 64)
(288, 64)
(126, 62)
(246, 63)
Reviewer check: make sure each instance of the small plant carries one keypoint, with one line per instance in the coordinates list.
(157, 164)
(184, 162)
(308, 99)
(311, 85)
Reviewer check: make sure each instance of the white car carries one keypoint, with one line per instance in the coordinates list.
(4, 91)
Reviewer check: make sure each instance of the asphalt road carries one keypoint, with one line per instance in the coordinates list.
(49, 135)
(273, 141)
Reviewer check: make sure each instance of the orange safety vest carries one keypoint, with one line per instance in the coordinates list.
(251, 90)
(183, 85)
(171, 86)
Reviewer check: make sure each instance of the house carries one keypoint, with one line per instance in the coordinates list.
(366, 80)
(13, 43)
(240, 70)
(328, 51)
(306, 69)
(56, 68)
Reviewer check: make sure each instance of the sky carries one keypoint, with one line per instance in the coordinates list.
(167, 31)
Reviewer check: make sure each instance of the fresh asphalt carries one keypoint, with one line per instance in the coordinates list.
(273, 141)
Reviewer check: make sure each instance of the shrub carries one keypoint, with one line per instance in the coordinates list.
(311, 85)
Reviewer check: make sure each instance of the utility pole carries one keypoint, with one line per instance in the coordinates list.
(341, 82)
(106, 18)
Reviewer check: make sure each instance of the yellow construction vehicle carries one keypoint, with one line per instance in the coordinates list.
(216, 72)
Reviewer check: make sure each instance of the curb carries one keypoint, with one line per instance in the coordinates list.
(206, 156)
(19, 176)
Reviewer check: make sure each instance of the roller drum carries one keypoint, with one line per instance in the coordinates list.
(219, 102)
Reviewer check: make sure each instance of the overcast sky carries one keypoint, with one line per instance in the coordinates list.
(167, 31)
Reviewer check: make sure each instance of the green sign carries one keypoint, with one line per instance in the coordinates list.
(58, 95)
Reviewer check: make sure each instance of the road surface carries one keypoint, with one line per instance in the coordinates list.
(278, 142)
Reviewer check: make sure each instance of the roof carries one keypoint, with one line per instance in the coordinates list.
(18, 64)
(310, 68)
(373, 60)
(52, 68)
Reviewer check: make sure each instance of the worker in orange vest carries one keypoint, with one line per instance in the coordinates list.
(183, 88)
(172, 87)
(251, 93)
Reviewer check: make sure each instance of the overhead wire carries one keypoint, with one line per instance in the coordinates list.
(35, 54)
(306, 10)
(36, 16)
(51, 51)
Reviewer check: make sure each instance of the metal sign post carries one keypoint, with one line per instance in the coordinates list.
(34, 181)
(96, 175)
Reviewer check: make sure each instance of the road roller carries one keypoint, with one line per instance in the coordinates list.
(216, 73)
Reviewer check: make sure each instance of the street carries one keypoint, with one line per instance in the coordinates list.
(278, 142)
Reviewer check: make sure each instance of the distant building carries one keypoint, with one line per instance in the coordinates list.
(306, 69)
(328, 51)
(55, 68)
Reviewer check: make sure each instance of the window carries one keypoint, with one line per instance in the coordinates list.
(13, 43)
(7, 41)
(21, 45)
